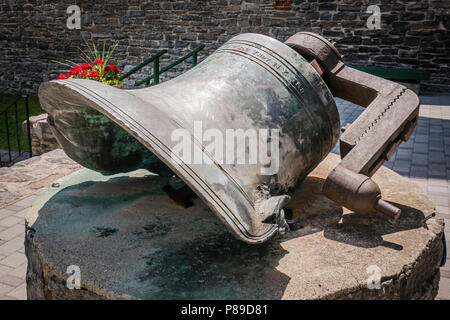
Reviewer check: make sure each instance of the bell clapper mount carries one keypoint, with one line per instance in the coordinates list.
(390, 117)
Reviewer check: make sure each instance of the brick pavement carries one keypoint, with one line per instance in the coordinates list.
(425, 158)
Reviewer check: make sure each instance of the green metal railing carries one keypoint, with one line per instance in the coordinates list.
(154, 78)
(154, 59)
(14, 132)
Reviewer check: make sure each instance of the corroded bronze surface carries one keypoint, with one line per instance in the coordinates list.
(251, 82)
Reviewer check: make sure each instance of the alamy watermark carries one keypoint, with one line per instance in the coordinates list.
(374, 279)
(235, 147)
(74, 19)
(374, 21)
(74, 279)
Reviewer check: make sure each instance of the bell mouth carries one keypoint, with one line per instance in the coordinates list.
(121, 110)
(98, 143)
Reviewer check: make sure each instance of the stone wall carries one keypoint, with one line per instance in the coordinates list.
(413, 34)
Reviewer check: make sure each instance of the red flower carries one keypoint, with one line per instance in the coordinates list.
(78, 69)
(93, 74)
(86, 66)
(61, 76)
(113, 68)
(98, 61)
(84, 73)
(71, 73)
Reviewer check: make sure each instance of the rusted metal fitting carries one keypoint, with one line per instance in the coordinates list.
(357, 192)
(390, 118)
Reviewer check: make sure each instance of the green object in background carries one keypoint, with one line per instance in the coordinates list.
(401, 74)
(154, 78)
(5, 101)
(153, 58)
(157, 72)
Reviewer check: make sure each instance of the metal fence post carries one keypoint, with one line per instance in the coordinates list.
(194, 59)
(28, 125)
(17, 129)
(156, 71)
(7, 134)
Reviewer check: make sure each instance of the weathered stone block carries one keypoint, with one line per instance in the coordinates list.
(42, 138)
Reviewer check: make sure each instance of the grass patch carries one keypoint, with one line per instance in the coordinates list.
(5, 101)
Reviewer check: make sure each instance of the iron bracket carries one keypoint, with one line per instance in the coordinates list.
(390, 117)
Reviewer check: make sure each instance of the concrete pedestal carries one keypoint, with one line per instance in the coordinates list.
(130, 240)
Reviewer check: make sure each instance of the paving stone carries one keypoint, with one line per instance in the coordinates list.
(434, 136)
(11, 280)
(5, 269)
(419, 171)
(12, 232)
(6, 213)
(4, 289)
(437, 182)
(421, 138)
(420, 147)
(10, 221)
(438, 190)
(436, 157)
(19, 293)
(419, 159)
(437, 171)
(436, 128)
(436, 146)
(444, 289)
(26, 202)
(14, 260)
(404, 154)
(20, 271)
(12, 246)
(21, 214)
(422, 131)
(14, 208)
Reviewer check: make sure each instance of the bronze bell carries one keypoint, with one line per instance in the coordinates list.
(271, 106)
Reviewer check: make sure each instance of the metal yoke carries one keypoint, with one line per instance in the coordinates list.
(390, 117)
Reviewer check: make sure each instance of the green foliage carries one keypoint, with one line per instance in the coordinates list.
(5, 101)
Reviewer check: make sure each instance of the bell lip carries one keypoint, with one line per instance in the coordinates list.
(85, 91)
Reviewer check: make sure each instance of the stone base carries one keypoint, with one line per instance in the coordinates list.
(131, 241)
(42, 138)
